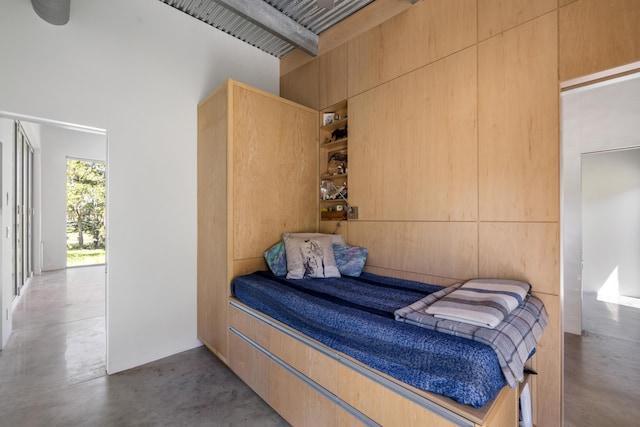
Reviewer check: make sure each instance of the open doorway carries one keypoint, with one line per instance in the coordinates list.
(611, 243)
(86, 203)
(600, 228)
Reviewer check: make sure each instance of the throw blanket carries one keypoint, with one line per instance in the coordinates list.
(482, 302)
(355, 316)
(513, 340)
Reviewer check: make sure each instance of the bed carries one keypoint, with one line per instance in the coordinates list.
(355, 316)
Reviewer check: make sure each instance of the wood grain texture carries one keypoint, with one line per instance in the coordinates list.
(373, 14)
(251, 327)
(548, 363)
(333, 76)
(313, 364)
(302, 85)
(522, 251)
(413, 145)
(597, 35)
(212, 222)
(496, 16)
(250, 365)
(275, 155)
(382, 405)
(330, 227)
(297, 402)
(430, 30)
(506, 412)
(445, 249)
(565, 2)
(249, 265)
(418, 277)
(519, 123)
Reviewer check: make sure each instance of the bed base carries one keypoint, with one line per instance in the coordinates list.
(311, 384)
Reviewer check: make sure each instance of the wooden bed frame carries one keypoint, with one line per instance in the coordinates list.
(309, 383)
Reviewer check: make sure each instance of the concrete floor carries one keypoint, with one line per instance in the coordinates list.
(602, 367)
(52, 372)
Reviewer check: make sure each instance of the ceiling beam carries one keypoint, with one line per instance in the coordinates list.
(277, 23)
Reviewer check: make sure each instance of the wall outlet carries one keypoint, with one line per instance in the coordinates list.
(352, 213)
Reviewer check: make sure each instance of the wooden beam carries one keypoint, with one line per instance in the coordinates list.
(277, 23)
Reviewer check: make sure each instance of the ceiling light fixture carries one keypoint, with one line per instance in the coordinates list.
(55, 12)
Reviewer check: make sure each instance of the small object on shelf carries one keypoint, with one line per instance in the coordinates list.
(339, 134)
(337, 164)
(327, 119)
(335, 215)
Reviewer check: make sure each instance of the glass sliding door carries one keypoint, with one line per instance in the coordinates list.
(23, 211)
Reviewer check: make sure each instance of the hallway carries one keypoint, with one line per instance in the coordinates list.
(602, 368)
(53, 369)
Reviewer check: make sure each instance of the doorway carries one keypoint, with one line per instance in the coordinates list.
(86, 203)
(42, 230)
(600, 137)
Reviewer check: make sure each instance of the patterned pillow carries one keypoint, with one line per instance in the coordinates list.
(276, 258)
(350, 259)
(310, 256)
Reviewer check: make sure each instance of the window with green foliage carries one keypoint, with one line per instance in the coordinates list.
(86, 202)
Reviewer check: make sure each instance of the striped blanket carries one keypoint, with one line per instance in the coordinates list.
(482, 302)
(513, 340)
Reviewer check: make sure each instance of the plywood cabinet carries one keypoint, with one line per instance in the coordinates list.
(255, 154)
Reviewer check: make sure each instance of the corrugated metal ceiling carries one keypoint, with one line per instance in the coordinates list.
(305, 12)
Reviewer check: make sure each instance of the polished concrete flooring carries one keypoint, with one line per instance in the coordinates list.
(52, 372)
(602, 367)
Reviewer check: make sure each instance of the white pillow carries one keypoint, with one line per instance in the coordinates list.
(310, 255)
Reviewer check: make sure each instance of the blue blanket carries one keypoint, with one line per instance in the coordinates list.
(355, 315)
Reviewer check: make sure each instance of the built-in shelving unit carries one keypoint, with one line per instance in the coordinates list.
(334, 162)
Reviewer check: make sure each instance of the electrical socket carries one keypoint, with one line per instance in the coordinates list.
(352, 213)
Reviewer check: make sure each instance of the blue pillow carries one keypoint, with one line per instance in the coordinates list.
(276, 258)
(350, 259)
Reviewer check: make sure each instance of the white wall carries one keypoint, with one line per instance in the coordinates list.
(57, 145)
(138, 69)
(599, 117)
(611, 221)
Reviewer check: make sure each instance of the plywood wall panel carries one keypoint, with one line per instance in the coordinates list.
(412, 144)
(267, 201)
(445, 249)
(418, 277)
(301, 85)
(428, 31)
(518, 123)
(212, 221)
(331, 227)
(496, 16)
(522, 251)
(333, 76)
(548, 364)
(597, 35)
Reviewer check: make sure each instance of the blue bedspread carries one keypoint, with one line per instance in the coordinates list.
(354, 315)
